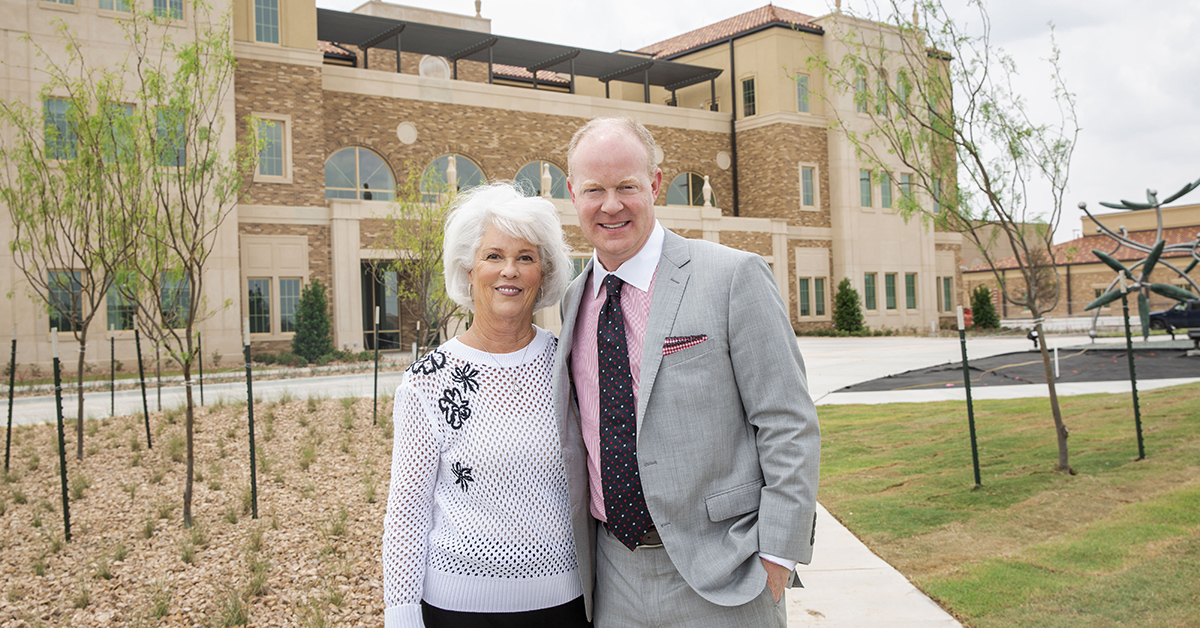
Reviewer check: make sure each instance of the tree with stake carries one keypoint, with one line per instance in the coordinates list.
(945, 112)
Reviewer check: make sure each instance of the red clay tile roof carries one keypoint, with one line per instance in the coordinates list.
(331, 48)
(1079, 250)
(727, 28)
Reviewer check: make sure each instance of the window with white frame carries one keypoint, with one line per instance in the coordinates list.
(121, 308)
(885, 190)
(748, 99)
(906, 186)
(171, 138)
(810, 296)
(864, 188)
(259, 312)
(175, 292)
(58, 129)
(946, 294)
(530, 179)
(889, 289)
(808, 187)
(870, 300)
(811, 283)
(275, 156)
(289, 302)
(359, 173)
(688, 189)
(881, 94)
(169, 8)
(115, 5)
(860, 89)
(802, 93)
(65, 307)
(910, 290)
(275, 270)
(266, 21)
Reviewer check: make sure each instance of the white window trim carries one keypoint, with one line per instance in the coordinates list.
(796, 92)
(816, 206)
(254, 24)
(916, 300)
(275, 271)
(287, 148)
(870, 187)
(812, 299)
(877, 292)
(742, 94)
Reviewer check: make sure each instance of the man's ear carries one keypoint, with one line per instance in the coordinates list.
(571, 189)
(656, 183)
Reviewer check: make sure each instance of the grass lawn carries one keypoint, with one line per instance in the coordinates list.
(1117, 544)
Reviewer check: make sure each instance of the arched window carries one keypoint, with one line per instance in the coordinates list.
(433, 180)
(358, 173)
(530, 179)
(688, 189)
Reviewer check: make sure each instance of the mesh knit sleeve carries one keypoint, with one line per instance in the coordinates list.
(409, 509)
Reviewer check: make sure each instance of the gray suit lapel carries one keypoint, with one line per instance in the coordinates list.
(566, 341)
(670, 280)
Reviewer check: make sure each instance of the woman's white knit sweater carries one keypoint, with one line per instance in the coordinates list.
(478, 513)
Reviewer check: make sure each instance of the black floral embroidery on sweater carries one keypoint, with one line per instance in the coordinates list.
(465, 376)
(462, 475)
(456, 408)
(429, 364)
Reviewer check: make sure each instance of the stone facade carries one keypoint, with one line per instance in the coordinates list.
(769, 159)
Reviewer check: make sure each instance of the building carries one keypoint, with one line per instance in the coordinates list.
(363, 100)
(1083, 277)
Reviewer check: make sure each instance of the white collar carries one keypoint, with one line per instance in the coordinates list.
(638, 271)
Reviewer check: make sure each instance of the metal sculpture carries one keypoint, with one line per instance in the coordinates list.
(1154, 254)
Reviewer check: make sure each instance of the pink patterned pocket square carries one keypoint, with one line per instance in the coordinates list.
(674, 344)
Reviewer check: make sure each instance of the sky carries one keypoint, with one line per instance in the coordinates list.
(1134, 68)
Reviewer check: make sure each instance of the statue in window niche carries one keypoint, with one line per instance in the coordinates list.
(366, 195)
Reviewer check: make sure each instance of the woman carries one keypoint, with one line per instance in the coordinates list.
(477, 531)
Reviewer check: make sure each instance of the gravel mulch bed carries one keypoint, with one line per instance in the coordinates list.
(310, 559)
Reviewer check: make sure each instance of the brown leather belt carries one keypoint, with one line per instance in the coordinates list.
(651, 539)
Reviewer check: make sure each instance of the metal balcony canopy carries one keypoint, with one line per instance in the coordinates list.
(369, 31)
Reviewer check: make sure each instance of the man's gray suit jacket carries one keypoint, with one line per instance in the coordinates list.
(727, 437)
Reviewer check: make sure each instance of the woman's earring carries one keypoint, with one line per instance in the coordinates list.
(470, 291)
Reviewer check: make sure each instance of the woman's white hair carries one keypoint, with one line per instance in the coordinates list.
(530, 218)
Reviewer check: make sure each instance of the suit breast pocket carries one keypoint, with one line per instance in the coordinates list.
(735, 501)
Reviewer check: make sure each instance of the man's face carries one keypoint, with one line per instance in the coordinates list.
(613, 194)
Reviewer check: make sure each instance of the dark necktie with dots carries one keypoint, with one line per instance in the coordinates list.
(624, 504)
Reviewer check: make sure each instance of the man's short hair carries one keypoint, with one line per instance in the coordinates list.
(635, 128)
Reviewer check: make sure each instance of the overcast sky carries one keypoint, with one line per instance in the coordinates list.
(1134, 67)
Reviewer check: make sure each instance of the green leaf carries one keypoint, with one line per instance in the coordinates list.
(1133, 205)
(1104, 299)
(1112, 263)
(1172, 292)
(1184, 190)
(1152, 259)
(1144, 313)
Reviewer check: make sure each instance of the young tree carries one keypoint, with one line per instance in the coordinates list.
(847, 311)
(312, 339)
(983, 311)
(939, 105)
(60, 172)
(414, 232)
(182, 81)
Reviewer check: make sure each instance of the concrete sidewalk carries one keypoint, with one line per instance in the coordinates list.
(847, 585)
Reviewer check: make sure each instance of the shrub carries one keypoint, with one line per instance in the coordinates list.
(847, 311)
(983, 311)
(312, 339)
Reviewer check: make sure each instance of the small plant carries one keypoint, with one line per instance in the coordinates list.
(165, 509)
(308, 455)
(259, 567)
(56, 545)
(348, 402)
(3, 507)
(983, 310)
(313, 616)
(286, 396)
(103, 570)
(231, 515)
(312, 405)
(79, 483)
(254, 540)
(306, 491)
(39, 566)
(33, 462)
(337, 525)
(37, 520)
(345, 446)
(221, 447)
(82, 596)
(18, 496)
(175, 447)
(264, 463)
(148, 527)
(160, 600)
(348, 419)
(119, 553)
(247, 500)
(231, 609)
(214, 484)
(187, 552)
(312, 338)
(199, 536)
(216, 358)
(231, 433)
(369, 487)
(334, 596)
(847, 309)
(92, 428)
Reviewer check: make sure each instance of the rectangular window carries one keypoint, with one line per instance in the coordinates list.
(121, 308)
(748, 97)
(881, 95)
(807, 191)
(805, 297)
(860, 90)
(259, 305)
(270, 158)
(819, 296)
(176, 299)
(906, 186)
(67, 2)
(889, 287)
(885, 191)
(169, 8)
(802, 93)
(289, 302)
(864, 188)
(910, 290)
(172, 142)
(115, 5)
(947, 294)
(117, 142)
(937, 196)
(58, 128)
(65, 303)
(266, 21)
(869, 292)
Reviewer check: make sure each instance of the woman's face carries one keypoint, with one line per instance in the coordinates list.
(506, 276)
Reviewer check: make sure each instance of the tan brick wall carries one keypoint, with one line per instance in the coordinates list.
(266, 87)
(769, 177)
(693, 234)
(695, 151)
(748, 241)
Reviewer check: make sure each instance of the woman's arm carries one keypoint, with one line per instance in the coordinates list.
(410, 508)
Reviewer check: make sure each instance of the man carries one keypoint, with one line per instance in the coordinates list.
(687, 427)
